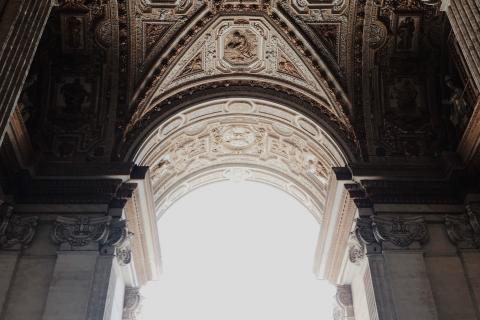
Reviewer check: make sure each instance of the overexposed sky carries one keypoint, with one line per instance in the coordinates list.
(238, 251)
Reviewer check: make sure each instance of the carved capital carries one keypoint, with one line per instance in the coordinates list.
(132, 304)
(402, 232)
(80, 232)
(15, 230)
(460, 232)
(399, 231)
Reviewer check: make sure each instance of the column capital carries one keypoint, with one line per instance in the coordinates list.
(108, 233)
(399, 231)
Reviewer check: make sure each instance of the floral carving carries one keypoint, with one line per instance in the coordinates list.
(14, 229)
(287, 67)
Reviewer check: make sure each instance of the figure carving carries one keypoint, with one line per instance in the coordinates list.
(405, 94)
(460, 111)
(14, 229)
(194, 66)
(74, 34)
(240, 47)
(406, 29)
(74, 95)
(285, 66)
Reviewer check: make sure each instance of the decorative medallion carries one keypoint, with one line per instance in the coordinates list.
(238, 137)
(240, 47)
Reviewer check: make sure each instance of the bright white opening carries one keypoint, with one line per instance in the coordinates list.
(238, 251)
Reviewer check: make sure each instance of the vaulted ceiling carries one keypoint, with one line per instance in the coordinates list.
(372, 72)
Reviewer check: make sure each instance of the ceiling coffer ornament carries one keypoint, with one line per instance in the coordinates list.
(15, 230)
(83, 231)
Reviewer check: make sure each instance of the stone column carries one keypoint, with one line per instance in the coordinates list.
(21, 27)
(82, 276)
(395, 268)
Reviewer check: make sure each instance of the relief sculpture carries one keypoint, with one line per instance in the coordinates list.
(241, 47)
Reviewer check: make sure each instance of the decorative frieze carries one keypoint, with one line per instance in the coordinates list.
(15, 230)
(401, 232)
(132, 304)
(83, 231)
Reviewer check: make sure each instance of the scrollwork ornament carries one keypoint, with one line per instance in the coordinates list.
(15, 230)
(364, 231)
(79, 232)
(402, 232)
(356, 250)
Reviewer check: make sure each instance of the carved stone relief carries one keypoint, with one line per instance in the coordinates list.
(251, 135)
(399, 231)
(84, 231)
(247, 47)
(15, 231)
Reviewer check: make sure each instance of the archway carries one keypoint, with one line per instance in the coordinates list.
(259, 112)
(238, 250)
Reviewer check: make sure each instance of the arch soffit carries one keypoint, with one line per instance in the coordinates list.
(240, 139)
(243, 47)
